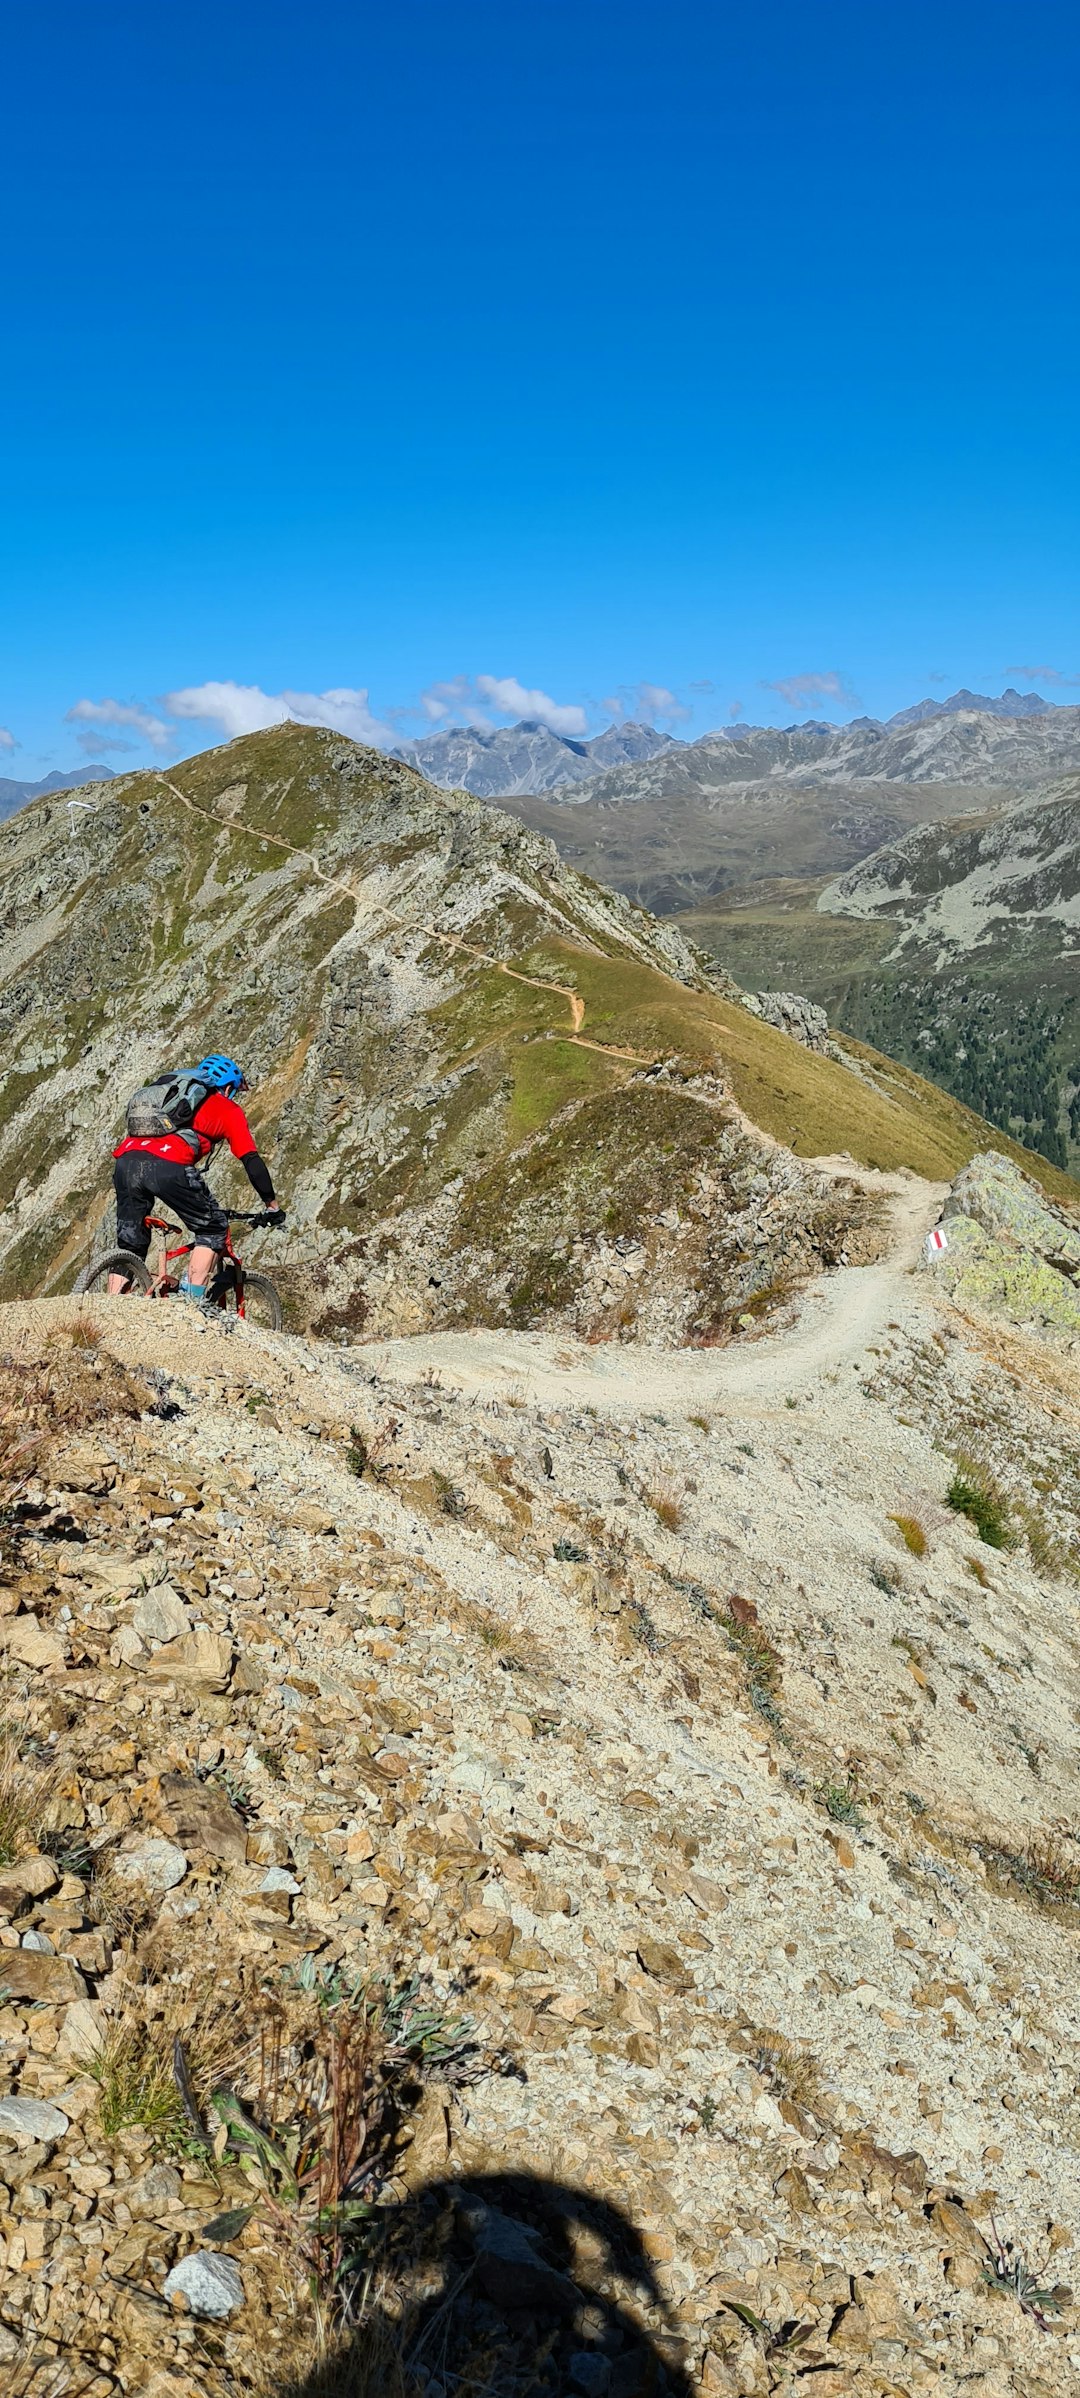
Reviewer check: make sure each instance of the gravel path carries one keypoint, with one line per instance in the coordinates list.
(837, 1318)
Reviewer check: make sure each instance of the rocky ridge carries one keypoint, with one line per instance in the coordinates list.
(731, 1815)
(477, 1075)
(507, 760)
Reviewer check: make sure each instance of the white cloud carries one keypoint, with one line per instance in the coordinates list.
(7, 740)
(796, 689)
(1043, 674)
(650, 701)
(446, 699)
(470, 697)
(100, 745)
(244, 708)
(508, 697)
(104, 713)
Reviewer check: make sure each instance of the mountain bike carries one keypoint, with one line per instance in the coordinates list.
(233, 1289)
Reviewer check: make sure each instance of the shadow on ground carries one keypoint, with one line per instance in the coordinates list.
(512, 2285)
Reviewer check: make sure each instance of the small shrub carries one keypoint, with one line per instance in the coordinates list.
(1042, 1868)
(973, 1492)
(369, 1453)
(702, 1423)
(568, 1553)
(1007, 2271)
(975, 1566)
(748, 1637)
(841, 1802)
(1048, 1555)
(911, 1533)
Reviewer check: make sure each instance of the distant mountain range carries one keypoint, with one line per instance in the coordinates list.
(954, 948)
(526, 757)
(520, 761)
(1010, 703)
(14, 795)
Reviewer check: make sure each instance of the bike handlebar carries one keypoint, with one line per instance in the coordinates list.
(264, 1216)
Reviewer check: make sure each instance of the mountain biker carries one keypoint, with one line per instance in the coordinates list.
(165, 1166)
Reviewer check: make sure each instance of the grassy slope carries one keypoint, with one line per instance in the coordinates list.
(179, 930)
(999, 1030)
(812, 1104)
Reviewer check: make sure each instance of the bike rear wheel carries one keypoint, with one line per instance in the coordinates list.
(95, 1276)
(261, 1303)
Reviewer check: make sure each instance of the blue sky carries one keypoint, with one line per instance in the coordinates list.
(476, 351)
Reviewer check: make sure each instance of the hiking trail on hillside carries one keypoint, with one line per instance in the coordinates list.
(332, 882)
(836, 1318)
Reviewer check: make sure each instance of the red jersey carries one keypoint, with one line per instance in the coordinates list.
(218, 1119)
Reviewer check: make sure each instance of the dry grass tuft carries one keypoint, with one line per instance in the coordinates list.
(791, 2072)
(368, 2361)
(665, 1502)
(84, 1330)
(27, 1789)
(911, 1533)
(137, 2070)
(1042, 1868)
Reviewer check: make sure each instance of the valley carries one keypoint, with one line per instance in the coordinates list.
(493, 1091)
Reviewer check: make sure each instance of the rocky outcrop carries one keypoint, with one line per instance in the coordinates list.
(1010, 1250)
(800, 1017)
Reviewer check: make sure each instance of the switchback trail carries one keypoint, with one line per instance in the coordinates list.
(838, 1316)
(293, 849)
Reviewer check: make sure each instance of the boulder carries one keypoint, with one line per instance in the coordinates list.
(32, 1978)
(157, 1865)
(510, 2266)
(209, 2283)
(198, 1815)
(1009, 1205)
(32, 1877)
(160, 1614)
(790, 1013)
(198, 1657)
(31, 1642)
(27, 2119)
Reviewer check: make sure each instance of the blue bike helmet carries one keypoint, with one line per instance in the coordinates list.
(222, 1073)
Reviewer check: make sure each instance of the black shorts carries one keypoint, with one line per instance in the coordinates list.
(144, 1182)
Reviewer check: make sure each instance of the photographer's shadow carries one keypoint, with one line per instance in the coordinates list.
(512, 2284)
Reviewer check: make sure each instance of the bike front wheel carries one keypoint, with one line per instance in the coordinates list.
(261, 1303)
(95, 1276)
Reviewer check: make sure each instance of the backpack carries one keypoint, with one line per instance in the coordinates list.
(167, 1105)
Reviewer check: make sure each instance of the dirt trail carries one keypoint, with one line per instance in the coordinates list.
(332, 882)
(838, 1316)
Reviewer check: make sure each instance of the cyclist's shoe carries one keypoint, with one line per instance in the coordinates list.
(196, 1296)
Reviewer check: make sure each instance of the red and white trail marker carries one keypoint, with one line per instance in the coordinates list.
(936, 1242)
